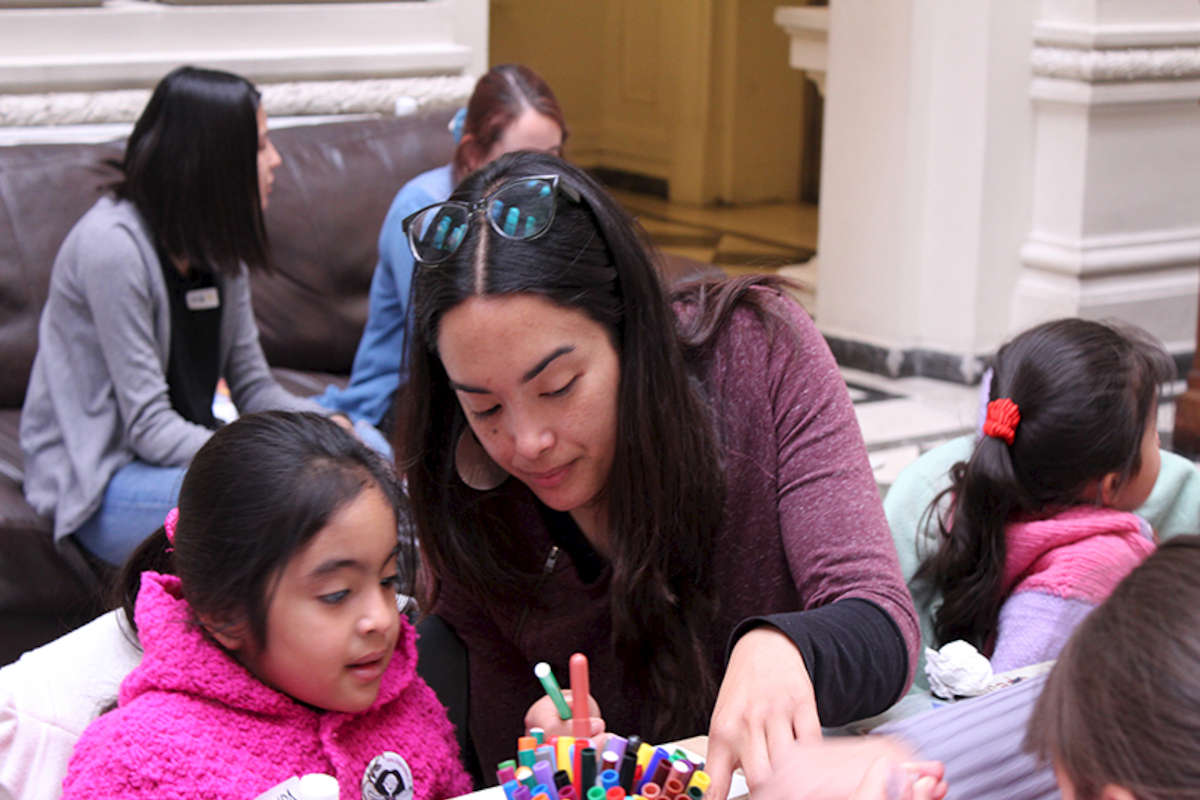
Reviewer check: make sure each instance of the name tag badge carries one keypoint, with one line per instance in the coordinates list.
(203, 299)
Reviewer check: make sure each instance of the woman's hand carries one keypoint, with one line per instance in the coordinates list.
(870, 768)
(544, 715)
(765, 705)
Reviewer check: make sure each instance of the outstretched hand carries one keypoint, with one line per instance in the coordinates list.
(765, 706)
(544, 715)
(869, 768)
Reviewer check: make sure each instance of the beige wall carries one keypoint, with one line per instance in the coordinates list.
(696, 92)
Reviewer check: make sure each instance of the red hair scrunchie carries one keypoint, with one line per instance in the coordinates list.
(1002, 418)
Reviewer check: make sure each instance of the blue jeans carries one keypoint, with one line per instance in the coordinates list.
(135, 504)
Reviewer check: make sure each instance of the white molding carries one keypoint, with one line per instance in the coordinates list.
(307, 98)
(1113, 254)
(1060, 90)
(807, 28)
(1078, 35)
(132, 43)
(1129, 64)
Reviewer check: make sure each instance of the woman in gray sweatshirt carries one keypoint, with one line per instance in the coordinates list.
(148, 308)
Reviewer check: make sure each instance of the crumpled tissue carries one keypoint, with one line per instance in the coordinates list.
(957, 670)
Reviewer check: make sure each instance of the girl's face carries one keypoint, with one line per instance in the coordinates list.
(538, 383)
(268, 158)
(332, 623)
(1134, 490)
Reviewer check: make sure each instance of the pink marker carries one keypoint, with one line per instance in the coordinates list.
(581, 716)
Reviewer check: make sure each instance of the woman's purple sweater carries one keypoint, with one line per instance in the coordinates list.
(803, 529)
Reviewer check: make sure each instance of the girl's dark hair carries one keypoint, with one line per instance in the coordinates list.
(191, 169)
(666, 487)
(255, 494)
(500, 97)
(1122, 705)
(1086, 391)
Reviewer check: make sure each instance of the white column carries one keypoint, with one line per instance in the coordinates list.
(1116, 222)
(991, 163)
(925, 189)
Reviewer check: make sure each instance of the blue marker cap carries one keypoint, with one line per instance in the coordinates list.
(659, 754)
(510, 789)
(609, 778)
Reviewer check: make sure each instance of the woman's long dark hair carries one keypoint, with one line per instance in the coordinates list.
(501, 96)
(1085, 391)
(191, 169)
(255, 494)
(1122, 705)
(666, 488)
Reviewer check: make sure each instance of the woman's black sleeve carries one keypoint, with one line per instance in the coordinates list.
(855, 654)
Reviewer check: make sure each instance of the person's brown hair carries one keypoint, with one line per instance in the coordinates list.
(500, 97)
(1122, 705)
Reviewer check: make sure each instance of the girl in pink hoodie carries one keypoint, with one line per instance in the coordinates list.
(1040, 529)
(274, 646)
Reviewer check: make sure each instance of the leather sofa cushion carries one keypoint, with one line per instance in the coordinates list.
(44, 190)
(331, 195)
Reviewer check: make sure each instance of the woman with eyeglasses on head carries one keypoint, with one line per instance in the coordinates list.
(148, 308)
(511, 109)
(598, 468)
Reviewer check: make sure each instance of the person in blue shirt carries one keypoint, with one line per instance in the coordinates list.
(510, 109)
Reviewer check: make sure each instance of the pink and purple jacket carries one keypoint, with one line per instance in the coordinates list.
(1056, 571)
(193, 722)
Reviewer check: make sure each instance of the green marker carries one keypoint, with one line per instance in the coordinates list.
(546, 676)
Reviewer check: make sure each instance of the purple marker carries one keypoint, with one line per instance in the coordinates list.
(543, 773)
(510, 789)
(616, 744)
(522, 792)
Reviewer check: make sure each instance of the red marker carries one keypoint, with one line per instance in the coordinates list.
(581, 716)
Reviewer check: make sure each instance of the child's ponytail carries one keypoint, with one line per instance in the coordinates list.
(968, 566)
(154, 555)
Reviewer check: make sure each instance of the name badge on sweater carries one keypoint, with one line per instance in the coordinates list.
(203, 299)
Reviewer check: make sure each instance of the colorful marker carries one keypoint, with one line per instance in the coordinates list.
(629, 763)
(563, 748)
(700, 780)
(615, 793)
(587, 773)
(539, 734)
(581, 719)
(544, 774)
(550, 684)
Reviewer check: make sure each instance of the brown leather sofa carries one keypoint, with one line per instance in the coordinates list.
(330, 197)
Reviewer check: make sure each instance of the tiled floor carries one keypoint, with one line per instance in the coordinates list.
(901, 418)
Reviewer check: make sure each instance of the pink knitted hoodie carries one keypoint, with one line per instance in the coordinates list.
(193, 722)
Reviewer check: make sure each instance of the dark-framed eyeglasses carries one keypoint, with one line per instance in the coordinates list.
(521, 208)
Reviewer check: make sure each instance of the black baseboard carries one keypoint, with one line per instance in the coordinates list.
(919, 362)
(632, 182)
